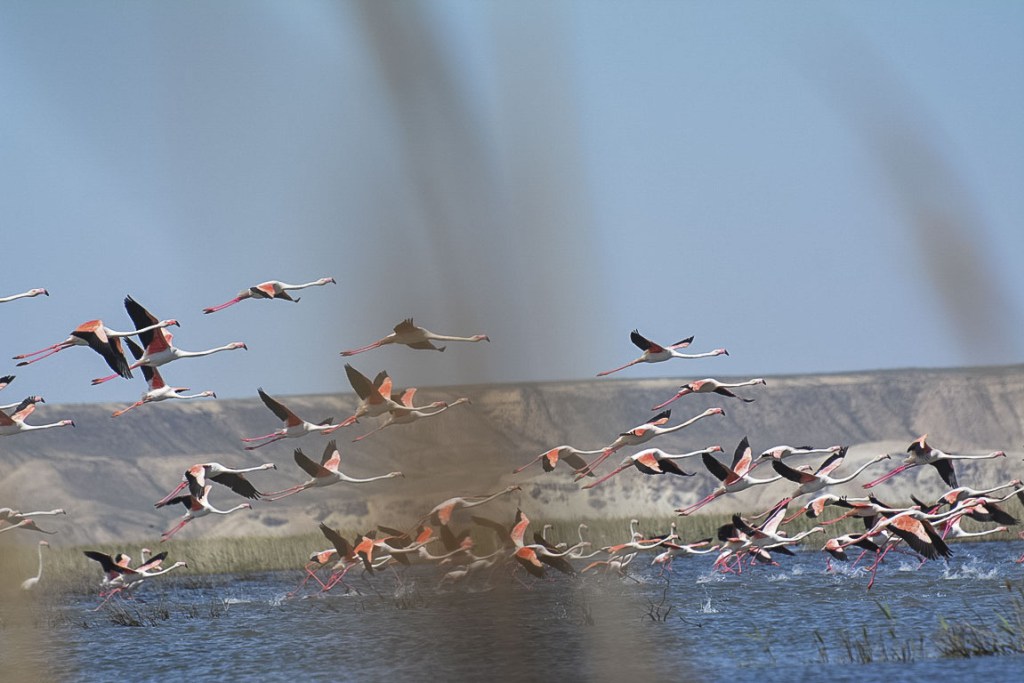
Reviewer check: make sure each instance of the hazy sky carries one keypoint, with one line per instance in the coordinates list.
(818, 187)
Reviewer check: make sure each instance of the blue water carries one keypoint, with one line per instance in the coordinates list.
(763, 625)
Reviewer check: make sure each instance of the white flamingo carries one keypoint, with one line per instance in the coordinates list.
(23, 295)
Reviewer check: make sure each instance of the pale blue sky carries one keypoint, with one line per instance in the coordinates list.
(818, 187)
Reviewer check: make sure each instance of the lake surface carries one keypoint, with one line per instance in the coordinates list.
(785, 623)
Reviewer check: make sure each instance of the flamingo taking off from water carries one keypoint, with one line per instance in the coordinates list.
(158, 343)
(654, 461)
(15, 423)
(643, 433)
(709, 385)
(923, 454)
(100, 339)
(23, 295)
(294, 426)
(158, 389)
(271, 289)
(415, 337)
(324, 474)
(656, 353)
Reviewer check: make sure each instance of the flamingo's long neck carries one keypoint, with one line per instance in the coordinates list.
(354, 480)
(843, 480)
(207, 352)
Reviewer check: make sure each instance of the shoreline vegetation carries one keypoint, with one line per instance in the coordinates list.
(66, 569)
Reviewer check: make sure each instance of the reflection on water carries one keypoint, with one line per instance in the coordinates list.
(770, 623)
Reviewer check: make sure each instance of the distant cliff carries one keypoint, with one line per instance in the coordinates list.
(108, 472)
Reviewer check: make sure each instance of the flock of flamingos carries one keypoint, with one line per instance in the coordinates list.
(921, 529)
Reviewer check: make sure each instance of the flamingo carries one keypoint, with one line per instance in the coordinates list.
(158, 389)
(324, 474)
(664, 559)
(923, 454)
(5, 380)
(197, 505)
(374, 397)
(271, 289)
(567, 454)
(812, 482)
(23, 295)
(415, 337)
(159, 343)
(15, 423)
(654, 461)
(951, 529)
(294, 426)
(836, 547)
(734, 478)
(11, 516)
(30, 583)
(767, 536)
(407, 414)
(643, 433)
(710, 385)
(25, 524)
(120, 577)
(233, 478)
(441, 514)
(919, 534)
(99, 338)
(785, 451)
(656, 353)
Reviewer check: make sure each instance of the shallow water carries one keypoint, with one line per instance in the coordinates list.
(763, 624)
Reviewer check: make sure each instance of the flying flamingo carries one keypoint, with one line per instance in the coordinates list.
(30, 583)
(158, 389)
(923, 454)
(664, 559)
(5, 380)
(25, 524)
(785, 451)
(656, 353)
(99, 338)
(812, 482)
(294, 426)
(443, 511)
(567, 454)
(654, 461)
(158, 343)
(11, 516)
(233, 478)
(15, 423)
(734, 478)
(415, 337)
(31, 292)
(643, 433)
(406, 413)
(271, 289)
(375, 397)
(951, 529)
(767, 536)
(324, 474)
(709, 385)
(197, 505)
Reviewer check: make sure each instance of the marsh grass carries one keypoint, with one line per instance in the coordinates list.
(868, 645)
(979, 635)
